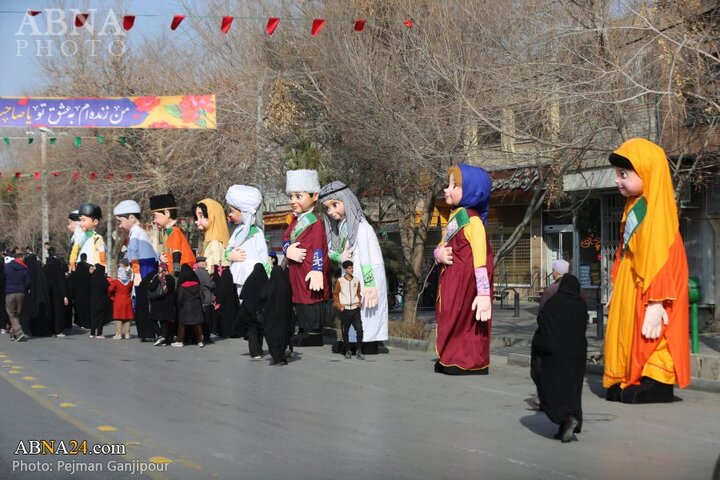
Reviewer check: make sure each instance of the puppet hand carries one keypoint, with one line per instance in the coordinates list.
(444, 255)
(163, 258)
(316, 280)
(483, 307)
(655, 316)
(346, 254)
(237, 254)
(370, 297)
(137, 280)
(295, 253)
(66, 302)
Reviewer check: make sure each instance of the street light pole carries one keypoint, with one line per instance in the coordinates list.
(44, 194)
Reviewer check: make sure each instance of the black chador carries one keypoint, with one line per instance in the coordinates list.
(559, 352)
(100, 305)
(80, 294)
(55, 274)
(226, 296)
(250, 316)
(275, 303)
(35, 316)
(145, 327)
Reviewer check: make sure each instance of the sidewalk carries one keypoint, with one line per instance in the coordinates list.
(511, 338)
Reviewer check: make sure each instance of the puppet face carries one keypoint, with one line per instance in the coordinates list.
(453, 192)
(202, 221)
(71, 225)
(124, 223)
(235, 215)
(335, 209)
(87, 223)
(162, 219)
(629, 182)
(301, 202)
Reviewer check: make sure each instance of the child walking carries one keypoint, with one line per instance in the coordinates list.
(189, 305)
(120, 292)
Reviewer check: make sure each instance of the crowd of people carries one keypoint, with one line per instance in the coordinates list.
(232, 286)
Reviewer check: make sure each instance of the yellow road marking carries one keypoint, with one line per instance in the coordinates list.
(107, 428)
(38, 387)
(67, 404)
(29, 378)
(159, 460)
(7, 361)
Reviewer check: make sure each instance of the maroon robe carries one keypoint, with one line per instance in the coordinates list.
(462, 341)
(312, 238)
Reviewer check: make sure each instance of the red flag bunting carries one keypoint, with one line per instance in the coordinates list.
(34, 13)
(76, 175)
(37, 175)
(128, 21)
(92, 176)
(408, 23)
(317, 25)
(271, 25)
(9, 189)
(57, 174)
(17, 174)
(38, 187)
(129, 176)
(177, 19)
(109, 176)
(226, 22)
(359, 24)
(80, 19)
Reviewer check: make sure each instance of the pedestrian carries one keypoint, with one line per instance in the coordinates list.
(4, 319)
(558, 356)
(36, 316)
(17, 284)
(275, 303)
(161, 294)
(559, 268)
(250, 313)
(347, 298)
(647, 344)
(79, 291)
(189, 306)
(120, 292)
(57, 291)
(100, 305)
(207, 294)
(351, 237)
(464, 302)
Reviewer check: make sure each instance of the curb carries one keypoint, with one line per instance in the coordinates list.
(701, 384)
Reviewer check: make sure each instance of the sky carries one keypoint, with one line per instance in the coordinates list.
(20, 70)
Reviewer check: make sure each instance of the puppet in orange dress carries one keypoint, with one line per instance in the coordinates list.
(177, 249)
(647, 345)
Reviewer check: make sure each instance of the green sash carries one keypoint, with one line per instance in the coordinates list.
(301, 225)
(456, 223)
(633, 221)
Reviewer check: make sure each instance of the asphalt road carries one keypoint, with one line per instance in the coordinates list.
(214, 413)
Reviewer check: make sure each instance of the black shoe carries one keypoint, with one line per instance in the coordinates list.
(439, 368)
(568, 429)
(348, 354)
(360, 356)
(649, 391)
(21, 337)
(613, 393)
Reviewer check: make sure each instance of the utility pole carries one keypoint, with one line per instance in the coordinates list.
(44, 193)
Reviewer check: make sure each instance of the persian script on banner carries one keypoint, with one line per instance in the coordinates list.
(186, 111)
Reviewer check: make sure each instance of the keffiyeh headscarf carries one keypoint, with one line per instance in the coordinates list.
(217, 228)
(248, 200)
(353, 214)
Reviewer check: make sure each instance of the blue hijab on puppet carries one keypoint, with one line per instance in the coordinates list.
(476, 185)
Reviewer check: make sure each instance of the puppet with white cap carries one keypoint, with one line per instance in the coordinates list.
(351, 237)
(140, 252)
(246, 246)
(305, 246)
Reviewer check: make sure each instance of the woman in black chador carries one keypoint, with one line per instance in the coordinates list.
(55, 274)
(559, 352)
(35, 315)
(100, 304)
(250, 316)
(80, 293)
(275, 303)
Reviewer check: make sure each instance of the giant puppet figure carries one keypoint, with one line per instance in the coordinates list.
(177, 249)
(646, 344)
(351, 237)
(210, 219)
(464, 299)
(305, 246)
(92, 244)
(77, 233)
(246, 246)
(140, 252)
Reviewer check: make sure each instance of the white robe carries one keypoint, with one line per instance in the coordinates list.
(366, 251)
(257, 252)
